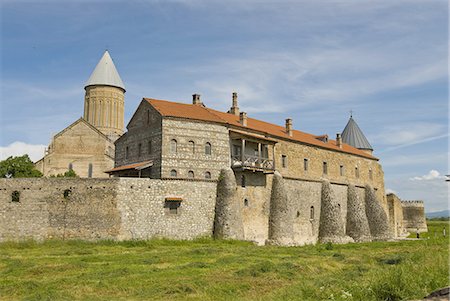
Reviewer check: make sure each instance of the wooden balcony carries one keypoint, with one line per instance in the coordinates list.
(254, 163)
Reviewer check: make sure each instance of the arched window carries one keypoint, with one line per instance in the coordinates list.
(190, 174)
(207, 175)
(325, 168)
(208, 148)
(90, 170)
(192, 146)
(243, 181)
(311, 212)
(173, 173)
(173, 146)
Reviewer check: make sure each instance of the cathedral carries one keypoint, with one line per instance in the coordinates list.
(87, 145)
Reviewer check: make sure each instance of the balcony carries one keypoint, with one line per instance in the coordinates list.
(253, 163)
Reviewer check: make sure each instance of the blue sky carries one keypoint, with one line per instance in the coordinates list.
(313, 61)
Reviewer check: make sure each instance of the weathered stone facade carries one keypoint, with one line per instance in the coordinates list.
(414, 216)
(80, 147)
(95, 209)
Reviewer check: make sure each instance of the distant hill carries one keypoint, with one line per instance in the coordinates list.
(443, 213)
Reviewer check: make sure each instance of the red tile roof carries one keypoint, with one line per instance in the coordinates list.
(130, 166)
(199, 112)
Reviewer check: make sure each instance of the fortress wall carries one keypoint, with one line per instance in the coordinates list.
(255, 212)
(395, 215)
(141, 203)
(87, 212)
(414, 216)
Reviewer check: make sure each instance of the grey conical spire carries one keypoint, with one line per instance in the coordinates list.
(353, 136)
(105, 73)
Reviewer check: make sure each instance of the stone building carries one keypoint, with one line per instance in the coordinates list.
(87, 145)
(191, 142)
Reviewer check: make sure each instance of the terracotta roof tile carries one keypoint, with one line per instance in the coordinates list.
(130, 166)
(199, 112)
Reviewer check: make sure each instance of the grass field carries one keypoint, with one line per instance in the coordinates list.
(223, 270)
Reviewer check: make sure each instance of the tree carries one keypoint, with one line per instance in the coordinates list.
(68, 174)
(18, 167)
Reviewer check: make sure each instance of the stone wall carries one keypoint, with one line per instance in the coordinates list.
(91, 209)
(369, 171)
(59, 208)
(396, 215)
(191, 138)
(414, 216)
(142, 142)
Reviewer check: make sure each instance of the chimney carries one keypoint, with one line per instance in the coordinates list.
(338, 140)
(289, 126)
(243, 118)
(196, 99)
(234, 105)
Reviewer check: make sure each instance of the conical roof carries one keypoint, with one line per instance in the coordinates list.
(353, 136)
(105, 73)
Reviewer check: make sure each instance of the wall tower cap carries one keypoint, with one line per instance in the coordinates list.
(105, 73)
(196, 99)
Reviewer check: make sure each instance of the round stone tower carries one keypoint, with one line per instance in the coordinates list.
(104, 98)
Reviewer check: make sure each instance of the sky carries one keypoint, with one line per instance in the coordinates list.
(313, 61)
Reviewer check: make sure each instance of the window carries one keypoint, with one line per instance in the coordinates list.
(173, 173)
(208, 148)
(190, 174)
(192, 147)
(356, 172)
(67, 193)
(70, 166)
(243, 181)
(283, 161)
(341, 170)
(325, 168)
(305, 164)
(173, 146)
(15, 196)
(311, 212)
(139, 149)
(127, 152)
(246, 203)
(172, 206)
(90, 170)
(237, 150)
(149, 147)
(370, 174)
(148, 116)
(207, 175)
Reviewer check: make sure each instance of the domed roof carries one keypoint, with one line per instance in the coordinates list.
(353, 136)
(105, 73)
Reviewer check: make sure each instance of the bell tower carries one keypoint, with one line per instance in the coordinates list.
(104, 98)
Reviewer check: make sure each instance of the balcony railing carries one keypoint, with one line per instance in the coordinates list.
(252, 162)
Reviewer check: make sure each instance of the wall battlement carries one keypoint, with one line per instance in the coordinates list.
(412, 203)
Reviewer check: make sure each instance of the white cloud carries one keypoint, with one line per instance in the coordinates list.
(388, 190)
(432, 175)
(409, 133)
(18, 148)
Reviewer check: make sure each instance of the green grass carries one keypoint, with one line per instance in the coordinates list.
(205, 269)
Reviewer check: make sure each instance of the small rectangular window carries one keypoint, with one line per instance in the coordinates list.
(325, 168)
(341, 170)
(127, 152)
(305, 164)
(149, 147)
(172, 206)
(284, 161)
(236, 150)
